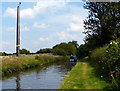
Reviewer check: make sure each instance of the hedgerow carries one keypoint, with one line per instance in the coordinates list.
(108, 58)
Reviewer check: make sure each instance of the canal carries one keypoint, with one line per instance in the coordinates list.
(47, 77)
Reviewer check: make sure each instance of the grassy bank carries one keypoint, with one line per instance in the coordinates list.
(11, 64)
(83, 76)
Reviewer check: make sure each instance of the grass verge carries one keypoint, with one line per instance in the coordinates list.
(83, 76)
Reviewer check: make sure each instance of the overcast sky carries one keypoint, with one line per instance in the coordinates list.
(43, 24)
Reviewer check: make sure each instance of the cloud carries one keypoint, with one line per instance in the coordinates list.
(11, 12)
(39, 25)
(76, 23)
(65, 35)
(25, 28)
(43, 39)
(13, 29)
(40, 7)
(61, 22)
(75, 27)
(41, 42)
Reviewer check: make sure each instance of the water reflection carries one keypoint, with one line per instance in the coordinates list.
(18, 82)
(46, 77)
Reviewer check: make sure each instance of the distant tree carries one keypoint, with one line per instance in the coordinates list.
(74, 43)
(3, 54)
(24, 51)
(71, 49)
(0, 53)
(59, 51)
(82, 51)
(64, 49)
(47, 50)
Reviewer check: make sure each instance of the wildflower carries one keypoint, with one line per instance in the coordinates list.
(101, 76)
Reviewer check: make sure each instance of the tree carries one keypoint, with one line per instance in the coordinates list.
(82, 51)
(64, 49)
(24, 51)
(59, 51)
(102, 23)
(3, 54)
(74, 43)
(47, 50)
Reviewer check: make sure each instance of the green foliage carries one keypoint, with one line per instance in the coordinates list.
(83, 76)
(74, 43)
(98, 54)
(59, 51)
(11, 64)
(82, 51)
(102, 23)
(47, 50)
(109, 57)
(3, 54)
(24, 51)
(65, 49)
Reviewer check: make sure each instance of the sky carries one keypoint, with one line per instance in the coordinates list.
(43, 24)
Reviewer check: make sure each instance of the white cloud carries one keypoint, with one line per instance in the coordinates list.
(11, 12)
(75, 27)
(25, 28)
(43, 39)
(40, 6)
(27, 13)
(13, 29)
(39, 25)
(65, 35)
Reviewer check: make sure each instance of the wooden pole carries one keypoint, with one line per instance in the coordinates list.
(18, 31)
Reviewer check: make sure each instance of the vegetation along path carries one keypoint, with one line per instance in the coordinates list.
(83, 76)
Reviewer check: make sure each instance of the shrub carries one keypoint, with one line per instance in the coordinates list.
(109, 57)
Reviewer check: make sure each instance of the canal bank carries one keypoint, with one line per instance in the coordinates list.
(83, 76)
(48, 76)
(13, 64)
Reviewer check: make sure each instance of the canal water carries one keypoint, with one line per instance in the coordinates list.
(47, 77)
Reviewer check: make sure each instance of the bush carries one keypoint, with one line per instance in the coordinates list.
(98, 54)
(109, 58)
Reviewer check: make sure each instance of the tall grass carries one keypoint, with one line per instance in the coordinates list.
(11, 64)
